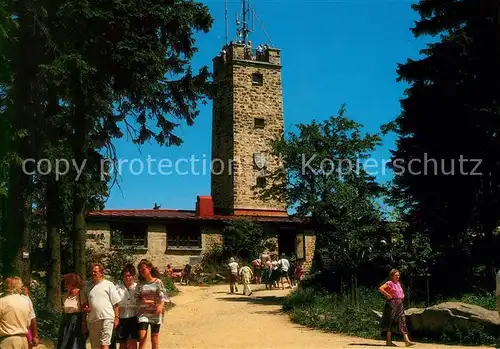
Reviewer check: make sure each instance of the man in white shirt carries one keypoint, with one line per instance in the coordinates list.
(15, 316)
(104, 313)
(284, 267)
(233, 275)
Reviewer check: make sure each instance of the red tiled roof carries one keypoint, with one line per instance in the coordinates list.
(184, 214)
(144, 213)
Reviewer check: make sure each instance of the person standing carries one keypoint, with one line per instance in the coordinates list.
(284, 266)
(233, 275)
(127, 332)
(73, 327)
(150, 296)
(15, 316)
(393, 317)
(257, 270)
(246, 277)
(103, 311)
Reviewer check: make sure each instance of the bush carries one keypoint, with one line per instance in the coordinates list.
(170, 287)
(332, 312)
(48, 320)
(312, 305)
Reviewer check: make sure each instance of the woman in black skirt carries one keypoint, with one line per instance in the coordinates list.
(393, 318)
(72, 330)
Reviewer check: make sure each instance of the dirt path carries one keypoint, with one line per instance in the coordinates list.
(209, 317)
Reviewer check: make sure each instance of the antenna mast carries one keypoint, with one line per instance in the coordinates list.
(242, 26)
(227, 26)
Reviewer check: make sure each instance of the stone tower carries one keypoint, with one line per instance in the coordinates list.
(247, 117)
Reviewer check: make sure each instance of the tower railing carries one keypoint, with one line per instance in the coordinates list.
(242, 52)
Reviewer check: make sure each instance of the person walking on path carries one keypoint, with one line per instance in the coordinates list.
(73, 327)
(151, 296)
(246, 277)
(103, 311)
(233, 275)
(393, 317)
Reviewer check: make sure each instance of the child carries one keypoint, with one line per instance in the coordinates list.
(299, 272)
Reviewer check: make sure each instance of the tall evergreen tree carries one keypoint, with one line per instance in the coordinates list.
(447, 159)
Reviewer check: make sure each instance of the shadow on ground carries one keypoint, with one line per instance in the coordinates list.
(264, 300)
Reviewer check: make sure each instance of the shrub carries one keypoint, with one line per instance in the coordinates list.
(48, 320)
(170, 287)
(245, 239)
(312, 305)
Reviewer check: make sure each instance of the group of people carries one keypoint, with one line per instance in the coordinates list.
(103, 312)
(267, 269)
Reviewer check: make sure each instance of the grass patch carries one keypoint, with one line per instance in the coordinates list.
(316, 308)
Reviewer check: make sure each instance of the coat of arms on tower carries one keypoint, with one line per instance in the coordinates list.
(259, 159)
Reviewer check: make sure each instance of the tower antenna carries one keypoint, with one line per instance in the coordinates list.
(227, 25)
(243, 24)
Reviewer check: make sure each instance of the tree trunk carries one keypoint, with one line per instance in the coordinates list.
(80, 186)
(53, 246)
(17, 235)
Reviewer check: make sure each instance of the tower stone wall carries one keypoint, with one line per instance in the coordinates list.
(247, 117)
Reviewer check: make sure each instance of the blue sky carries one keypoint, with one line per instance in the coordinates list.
(333, 52)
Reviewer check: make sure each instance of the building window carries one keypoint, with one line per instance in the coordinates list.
(183, 237)
(257, 79)
(129, 234)
(261, 182)
(259, 122)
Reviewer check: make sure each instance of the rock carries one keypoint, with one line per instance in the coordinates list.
(452, 316)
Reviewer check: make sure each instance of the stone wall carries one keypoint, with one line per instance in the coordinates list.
(253, 101)
(98, 235)
(310, 244)
(210, 238)
(237, 103)
(222, 139)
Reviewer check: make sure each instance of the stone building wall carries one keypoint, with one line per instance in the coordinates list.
(98, 235)
(238, 102)
(210, 238)
(222, 139)
(310, 246)
(255, 101)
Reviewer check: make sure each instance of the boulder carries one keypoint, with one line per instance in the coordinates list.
(452, 316)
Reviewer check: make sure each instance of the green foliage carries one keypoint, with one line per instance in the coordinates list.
(172, 290)
(245, 239)
(332, 312)
(212, 266)
(48, 320)
(114, 259)
(324, 178)
(446, 164)
(312, 306)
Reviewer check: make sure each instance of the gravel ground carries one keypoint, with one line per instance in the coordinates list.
(210, 317)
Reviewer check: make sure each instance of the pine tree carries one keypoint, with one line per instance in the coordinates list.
(450, 113)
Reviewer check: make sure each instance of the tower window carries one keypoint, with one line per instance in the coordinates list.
(261, 182)
(259, 123)
(257, 79)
